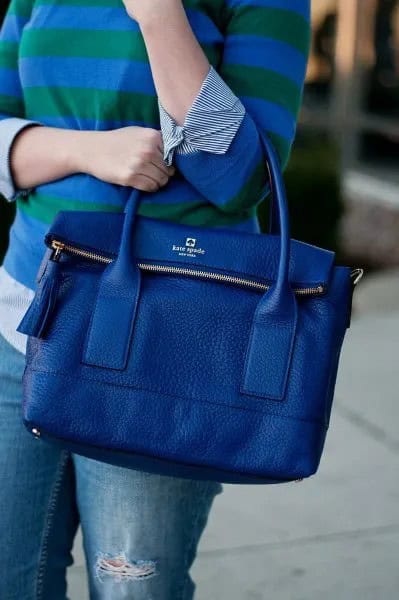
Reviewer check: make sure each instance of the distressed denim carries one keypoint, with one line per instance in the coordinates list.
(140, 530)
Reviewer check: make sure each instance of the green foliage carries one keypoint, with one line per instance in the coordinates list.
(314, 195)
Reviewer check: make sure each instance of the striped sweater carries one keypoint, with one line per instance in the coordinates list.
(82, 64)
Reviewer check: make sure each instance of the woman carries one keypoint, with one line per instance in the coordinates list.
(97, 98)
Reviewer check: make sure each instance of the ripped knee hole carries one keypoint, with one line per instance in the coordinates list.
(123, 569)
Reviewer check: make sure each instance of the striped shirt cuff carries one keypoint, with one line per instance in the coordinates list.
(210, 124)
(9, 128)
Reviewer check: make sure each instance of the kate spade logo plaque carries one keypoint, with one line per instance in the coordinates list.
(190, 248)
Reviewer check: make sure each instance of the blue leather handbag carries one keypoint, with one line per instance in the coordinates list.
(186, 351)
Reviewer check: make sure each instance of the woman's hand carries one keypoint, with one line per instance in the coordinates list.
(130, 156)
(144, 10)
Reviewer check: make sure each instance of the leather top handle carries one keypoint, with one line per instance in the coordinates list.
(280, 220)
(271, 342)
(280, 223)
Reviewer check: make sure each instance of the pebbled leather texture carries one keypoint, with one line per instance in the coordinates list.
(187, 376)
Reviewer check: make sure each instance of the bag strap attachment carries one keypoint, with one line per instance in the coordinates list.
(111, 327)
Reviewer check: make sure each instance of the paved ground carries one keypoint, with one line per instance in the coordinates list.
(336, 535)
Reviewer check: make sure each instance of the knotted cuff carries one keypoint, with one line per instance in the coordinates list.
(210, 124)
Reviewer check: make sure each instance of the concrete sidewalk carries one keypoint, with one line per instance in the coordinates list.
(336, 535)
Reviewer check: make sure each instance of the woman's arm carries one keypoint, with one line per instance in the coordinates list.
(32, 154)
(178, 63)
(129, 156)
(198, 111)
(264, 64)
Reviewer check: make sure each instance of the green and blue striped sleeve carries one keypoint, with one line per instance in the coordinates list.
(12, 111)
(264, 63)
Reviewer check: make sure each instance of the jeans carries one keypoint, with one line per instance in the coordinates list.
(140, 530)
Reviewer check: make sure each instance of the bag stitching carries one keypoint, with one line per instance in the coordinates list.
(185, 398)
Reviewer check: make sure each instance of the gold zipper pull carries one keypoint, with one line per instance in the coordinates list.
(58, 248)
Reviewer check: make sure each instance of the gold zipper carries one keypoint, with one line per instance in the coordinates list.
(60, 247)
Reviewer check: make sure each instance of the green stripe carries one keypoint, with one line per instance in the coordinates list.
(8, 54)
(91, 104)
(283, 147)
(90, 3)
(263, 84)
(10, 105)
(250, 194)
(279, 24)
(194, 213)
(85, 43)
(116, 3)
(20, 8)
(45, 208)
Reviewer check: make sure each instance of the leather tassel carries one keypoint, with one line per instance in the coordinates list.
(39, 313)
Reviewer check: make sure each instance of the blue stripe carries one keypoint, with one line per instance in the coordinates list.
(203, 27)
(271, 117)
(302, 7)
(9, 83)
(176, 192)
(68, 122)
(85, 188)
(92, 18)
(12, 27)
(115, 74)
(266, 53)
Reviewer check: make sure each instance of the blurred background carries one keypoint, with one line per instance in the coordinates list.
(335, 535)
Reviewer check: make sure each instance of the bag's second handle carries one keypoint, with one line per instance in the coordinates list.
(271, 341)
